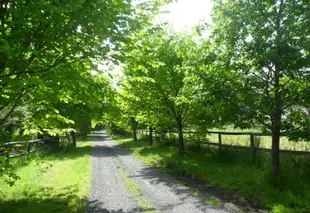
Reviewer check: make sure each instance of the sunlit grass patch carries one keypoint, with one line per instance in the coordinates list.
(132, 187)
(262, 141)
(57, 182)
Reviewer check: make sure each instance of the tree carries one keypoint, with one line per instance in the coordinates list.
(139, 109)
(262, 63)
(46, 45)
(155, 72)
(39, 37)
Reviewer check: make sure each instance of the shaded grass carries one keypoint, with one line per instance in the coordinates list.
(233, 170)
(55, 182)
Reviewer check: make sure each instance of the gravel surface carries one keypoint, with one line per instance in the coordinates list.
(108, 192)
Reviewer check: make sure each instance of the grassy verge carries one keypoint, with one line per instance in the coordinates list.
(57, 182)
(231, 170)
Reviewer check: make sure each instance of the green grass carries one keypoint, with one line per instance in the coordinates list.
(136, 192)
(261, 141)
(233, 170)
(213, 202)
(55, 182)
(132, 187)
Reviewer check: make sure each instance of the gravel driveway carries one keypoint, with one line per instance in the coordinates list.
(112, 166)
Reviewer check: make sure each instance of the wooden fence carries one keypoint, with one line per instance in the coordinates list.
(220, 145)
(20, 148)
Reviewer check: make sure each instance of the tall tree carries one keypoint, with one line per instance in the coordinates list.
(262, 63)
(142, 109)
(154, 70)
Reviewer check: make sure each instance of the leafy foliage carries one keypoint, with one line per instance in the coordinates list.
(259, 66)
(154, 84)
(48, 50)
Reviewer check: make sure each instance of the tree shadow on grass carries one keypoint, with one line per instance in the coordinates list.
(72, 153)
(49, 200)
(45, 199)
(134, 144)
(79, 151)
(98, 148)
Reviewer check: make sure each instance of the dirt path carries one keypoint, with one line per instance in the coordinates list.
(122, 183)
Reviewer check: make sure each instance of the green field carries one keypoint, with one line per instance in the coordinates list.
(261, 141)
(244, 140)
(232, 170)
(54, 182)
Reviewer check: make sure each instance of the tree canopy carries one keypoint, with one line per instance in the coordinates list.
(48, 50)
(251, 71)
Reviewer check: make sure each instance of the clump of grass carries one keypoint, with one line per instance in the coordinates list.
(57, 182)
(146, 206)
(235, 171)
(132, 187)
(136, 193)
(213, 202)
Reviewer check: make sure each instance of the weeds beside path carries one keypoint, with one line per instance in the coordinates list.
(57, 182)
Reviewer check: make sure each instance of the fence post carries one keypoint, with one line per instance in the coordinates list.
(151, 136)
(7, 154)
(29, 148)
(253, 147)
(220, 142)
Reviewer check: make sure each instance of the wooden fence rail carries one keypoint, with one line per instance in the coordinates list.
(19, 148)
(220, 145)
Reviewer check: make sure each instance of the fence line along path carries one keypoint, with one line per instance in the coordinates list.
(20, 148)
(220, 145)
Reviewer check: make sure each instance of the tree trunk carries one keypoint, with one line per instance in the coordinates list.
(135, 138)
(276, 132)
(134, 125)
(275, 154)
(181, 139)
(73, 135)
(276, 119)
(151, 136)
